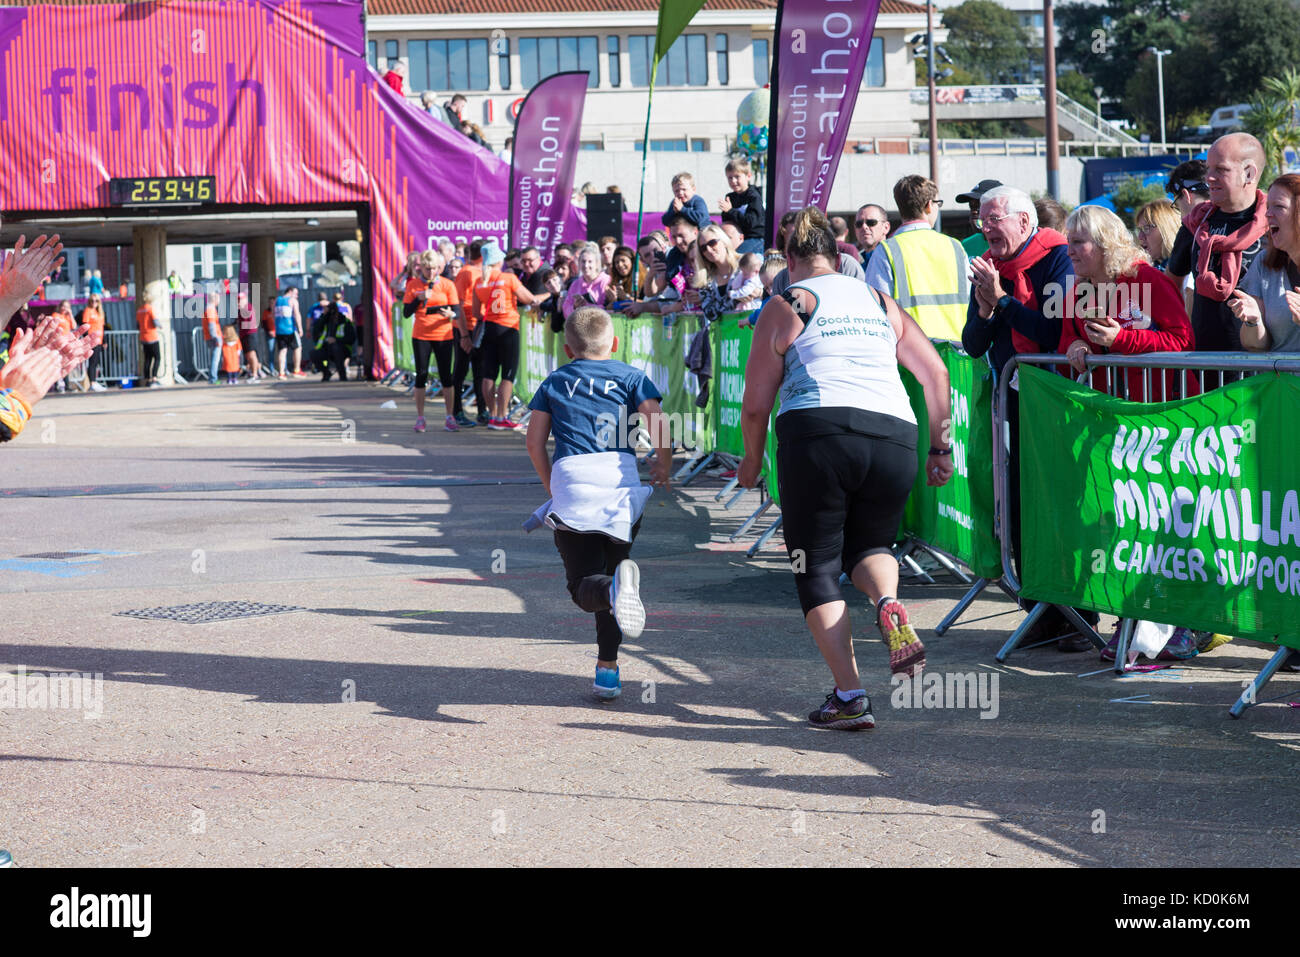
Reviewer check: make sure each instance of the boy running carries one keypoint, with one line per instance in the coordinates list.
(596, 495)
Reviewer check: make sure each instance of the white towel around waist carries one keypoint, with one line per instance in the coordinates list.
(594, 492)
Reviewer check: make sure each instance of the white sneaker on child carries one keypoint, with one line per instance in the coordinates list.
(625, 599)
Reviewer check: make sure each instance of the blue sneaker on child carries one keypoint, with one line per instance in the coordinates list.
(607, 687)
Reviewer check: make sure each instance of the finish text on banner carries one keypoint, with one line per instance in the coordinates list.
(1184, 513)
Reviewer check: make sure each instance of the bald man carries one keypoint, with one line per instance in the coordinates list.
(1232, 225)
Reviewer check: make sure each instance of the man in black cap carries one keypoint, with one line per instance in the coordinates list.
(975, 244)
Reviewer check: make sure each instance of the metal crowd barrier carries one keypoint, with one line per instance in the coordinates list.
(1193, 368)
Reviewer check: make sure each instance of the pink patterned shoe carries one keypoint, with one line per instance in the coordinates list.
(906, 653)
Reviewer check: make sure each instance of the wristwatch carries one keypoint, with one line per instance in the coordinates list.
(1003, 301)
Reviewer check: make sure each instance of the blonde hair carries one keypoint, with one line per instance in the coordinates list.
(1163, 215)
(589, 332)
(706, 269)
(1120, 254)
(684, 178)
(739, 165)
(432, 260)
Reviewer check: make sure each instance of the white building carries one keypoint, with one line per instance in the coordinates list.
(493, 51)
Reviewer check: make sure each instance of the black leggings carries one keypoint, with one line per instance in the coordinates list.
(842, 494)
(92, 364)
(589, 562)
(468, 363)
(152, 358)
(441, 352)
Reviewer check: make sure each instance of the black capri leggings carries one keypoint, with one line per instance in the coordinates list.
(842, 492)
(441, 352)
(152, 357)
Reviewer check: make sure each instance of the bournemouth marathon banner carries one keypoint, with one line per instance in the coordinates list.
(1184, 512)
(236, 104)
(821, 51)
(544, 157)
(957, 518)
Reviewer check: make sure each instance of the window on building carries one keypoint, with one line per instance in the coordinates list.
(874, 74)
(685, 64)
(699, 146)
(372, 54)
(720, 46)
(540, 57)
(762, 63)
(448, 65)
(591, 145)
(390, 53)
(501, 47)
(615, 71)
(664, 146)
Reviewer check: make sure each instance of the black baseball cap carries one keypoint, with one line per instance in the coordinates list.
(974, 195)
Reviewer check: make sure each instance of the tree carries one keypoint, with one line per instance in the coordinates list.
(987, 40)
(1131, 195)
(1248, 40)
(1078, 88)
(1272, 120)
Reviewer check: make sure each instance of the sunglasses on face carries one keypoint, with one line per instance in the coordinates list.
(1192, 186)
(711, 243)
(869, 223)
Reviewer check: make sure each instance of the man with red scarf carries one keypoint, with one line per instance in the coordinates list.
(1219, 239)
(1024, 267)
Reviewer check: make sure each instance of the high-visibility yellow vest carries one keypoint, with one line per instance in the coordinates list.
(930, 280)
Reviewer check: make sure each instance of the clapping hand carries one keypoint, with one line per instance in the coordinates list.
(1293, 301)
(26, 269)
(724, 205)
(984, 276)
(1245, 308)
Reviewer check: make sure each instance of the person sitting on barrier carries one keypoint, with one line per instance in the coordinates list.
(846, 450)
(1024, 267)
(1122, 305)
(745, 290)
(591, 288)
(1219, 241)
(678, 272)
(1267, 303)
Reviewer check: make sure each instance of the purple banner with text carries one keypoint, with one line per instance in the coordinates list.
(821, 51)
(544, 157)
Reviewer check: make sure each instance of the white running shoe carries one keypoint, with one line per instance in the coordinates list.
(625, 599)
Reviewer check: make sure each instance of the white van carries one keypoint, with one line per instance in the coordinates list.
(1226, 119)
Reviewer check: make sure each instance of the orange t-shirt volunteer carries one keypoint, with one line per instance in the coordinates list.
(147, 320)
(498, 298)
(431, 325)
(213, 323)
(466, 279)
(95, 319)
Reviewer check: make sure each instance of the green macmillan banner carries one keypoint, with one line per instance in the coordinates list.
(403, 357)
(1183, 512)
(647, 344)
(957, 518)
(730, 356)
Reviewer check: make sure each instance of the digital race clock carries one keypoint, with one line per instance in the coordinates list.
(162, 190)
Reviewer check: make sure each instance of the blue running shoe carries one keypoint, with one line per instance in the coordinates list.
(6, 860)
(607, 687)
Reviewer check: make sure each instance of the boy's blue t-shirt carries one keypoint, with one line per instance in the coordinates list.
(591, 402)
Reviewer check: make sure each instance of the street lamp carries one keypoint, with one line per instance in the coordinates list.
(1160, 82)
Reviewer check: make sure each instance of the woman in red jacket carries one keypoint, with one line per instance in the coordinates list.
(1121, 304)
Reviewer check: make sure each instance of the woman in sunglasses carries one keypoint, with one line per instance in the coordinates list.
(716, 264)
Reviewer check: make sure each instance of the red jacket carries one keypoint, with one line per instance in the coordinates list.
(1149, 308)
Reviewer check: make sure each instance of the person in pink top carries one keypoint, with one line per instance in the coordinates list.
(592, 284)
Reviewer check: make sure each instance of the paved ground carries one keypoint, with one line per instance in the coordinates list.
(471, 738)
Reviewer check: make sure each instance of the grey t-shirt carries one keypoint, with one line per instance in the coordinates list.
(1269, 286)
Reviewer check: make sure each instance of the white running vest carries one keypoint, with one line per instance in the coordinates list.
(846, 356)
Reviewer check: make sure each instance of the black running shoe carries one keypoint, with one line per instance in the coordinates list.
(854, 715)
